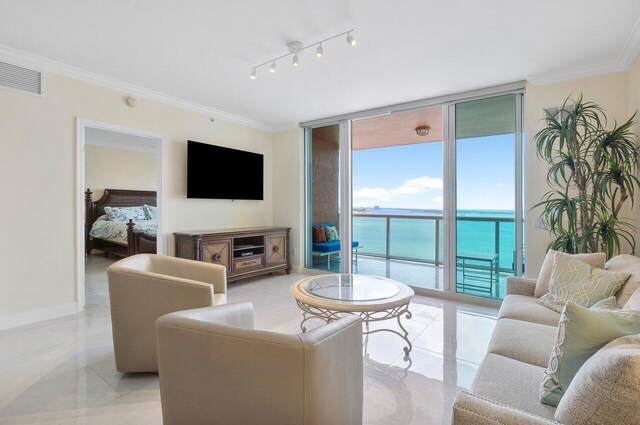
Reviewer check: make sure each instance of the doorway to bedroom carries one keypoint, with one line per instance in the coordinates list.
(120, 173)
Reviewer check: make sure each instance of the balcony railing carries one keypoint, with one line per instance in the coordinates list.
(419, 237)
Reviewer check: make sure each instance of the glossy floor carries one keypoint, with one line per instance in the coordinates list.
(62, 371)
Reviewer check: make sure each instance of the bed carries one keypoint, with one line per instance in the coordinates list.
(121, 239)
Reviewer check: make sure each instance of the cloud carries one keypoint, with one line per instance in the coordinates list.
(419, 185)
(438, 199)
(500, 185)
(377, 193)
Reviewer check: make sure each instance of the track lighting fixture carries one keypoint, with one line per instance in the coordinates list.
(296, 48)
(352, 41)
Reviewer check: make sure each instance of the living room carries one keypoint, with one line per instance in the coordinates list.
(433, 81)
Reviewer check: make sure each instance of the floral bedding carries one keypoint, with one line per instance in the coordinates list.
(107, 229)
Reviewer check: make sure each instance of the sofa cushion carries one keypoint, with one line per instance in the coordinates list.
(581, 333)
(605, 389)
(524, 341)
(576, 281)
(595, 260)
(521, 307)
(512, 383)
(626, 263)
(634, 301)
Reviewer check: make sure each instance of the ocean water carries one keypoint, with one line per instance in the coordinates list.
(415, 238)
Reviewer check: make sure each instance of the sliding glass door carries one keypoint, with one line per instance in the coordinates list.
(431, 197)
(327, 231)
(488, 243)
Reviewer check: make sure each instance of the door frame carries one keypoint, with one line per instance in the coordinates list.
(158, 140)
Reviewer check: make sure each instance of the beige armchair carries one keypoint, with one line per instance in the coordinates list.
(216, 369)
(146, 286)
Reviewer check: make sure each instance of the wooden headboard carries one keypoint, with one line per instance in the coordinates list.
(116, 198)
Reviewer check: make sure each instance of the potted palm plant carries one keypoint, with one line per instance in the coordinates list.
(592, 174)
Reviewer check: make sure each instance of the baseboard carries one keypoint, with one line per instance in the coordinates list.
(34, 316)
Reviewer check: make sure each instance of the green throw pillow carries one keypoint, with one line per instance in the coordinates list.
(581, 333)
(573, 280)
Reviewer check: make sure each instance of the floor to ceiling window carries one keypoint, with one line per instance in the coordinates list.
(429, 196)
(485, 194)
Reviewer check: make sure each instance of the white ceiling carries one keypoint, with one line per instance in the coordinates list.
(202, 51)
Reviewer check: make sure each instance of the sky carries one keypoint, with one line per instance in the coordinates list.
(411, 176)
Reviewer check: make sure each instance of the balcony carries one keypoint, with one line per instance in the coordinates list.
(410, 249)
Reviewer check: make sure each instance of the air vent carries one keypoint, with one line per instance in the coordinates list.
(19, 78)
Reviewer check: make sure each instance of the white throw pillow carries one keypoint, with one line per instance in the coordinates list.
(595, 260)
(573, 280)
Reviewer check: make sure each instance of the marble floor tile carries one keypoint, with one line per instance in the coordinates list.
(63, 370)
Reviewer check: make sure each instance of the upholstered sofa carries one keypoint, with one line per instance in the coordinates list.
(507, 384)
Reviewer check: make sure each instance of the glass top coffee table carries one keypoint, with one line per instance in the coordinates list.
(373, 298)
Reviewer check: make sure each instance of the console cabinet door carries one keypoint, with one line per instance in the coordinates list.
(217, 252)
(276, 250)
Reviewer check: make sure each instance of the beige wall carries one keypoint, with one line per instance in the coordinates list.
(613, 92)
(288, 189)
(37, 183)
(118, 169)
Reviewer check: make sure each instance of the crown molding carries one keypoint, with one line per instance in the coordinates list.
(21, 58)
(627, 56)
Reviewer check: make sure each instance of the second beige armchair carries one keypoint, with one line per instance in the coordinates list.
(216, 369)
(146, 286)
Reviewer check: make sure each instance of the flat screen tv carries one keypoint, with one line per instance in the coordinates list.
(215, 172)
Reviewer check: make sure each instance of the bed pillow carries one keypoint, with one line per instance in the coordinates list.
(123, 214)
(595, 260)
(573, 280)
(605, 389)
(331, 233)
(318, 234)
(581, 333)
(150, 212)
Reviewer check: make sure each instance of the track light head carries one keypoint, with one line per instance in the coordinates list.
(272, 68)
(319, 51)
(352, 41)
(295, 60)
(253, 74)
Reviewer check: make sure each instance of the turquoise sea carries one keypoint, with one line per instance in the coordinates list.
(414, 238)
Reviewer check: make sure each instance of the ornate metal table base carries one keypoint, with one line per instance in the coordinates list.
(312, 312)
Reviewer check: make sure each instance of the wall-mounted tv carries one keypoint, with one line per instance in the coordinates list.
(215, 172)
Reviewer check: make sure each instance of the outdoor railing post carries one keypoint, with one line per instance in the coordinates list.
(388, 236)
(497, 238)
(437, 259)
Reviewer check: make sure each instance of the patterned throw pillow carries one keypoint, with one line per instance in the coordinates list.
(581, 333)
(332, 233)
(595, 260)
(573, 280)
(123, 214)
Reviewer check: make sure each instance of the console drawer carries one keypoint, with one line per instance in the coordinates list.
(247, 264)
